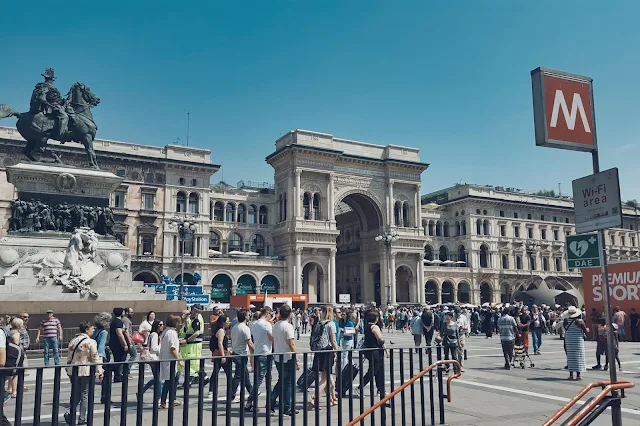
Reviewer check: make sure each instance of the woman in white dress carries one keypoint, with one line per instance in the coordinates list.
(170, 350)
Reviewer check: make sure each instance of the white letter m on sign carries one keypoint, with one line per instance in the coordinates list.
(569, 117)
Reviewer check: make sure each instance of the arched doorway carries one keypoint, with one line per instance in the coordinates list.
(312, 280)
(404, 278)
(505, 293)
(188, 279)
(147, 278)
(358, 219)
(464, 292)
(431, 292)
(485, 293)
(447, 292)
(270, 284)
(246, 284)
(221, 288)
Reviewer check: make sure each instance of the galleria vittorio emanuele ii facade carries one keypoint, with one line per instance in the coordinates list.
(313, 230)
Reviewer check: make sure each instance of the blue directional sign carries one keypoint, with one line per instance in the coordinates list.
(187, 290)
(158, 287)
(202, 299)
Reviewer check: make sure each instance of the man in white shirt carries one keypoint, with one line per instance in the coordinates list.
(463, 329)
(241, 344)
(284, 343)
(262, 331)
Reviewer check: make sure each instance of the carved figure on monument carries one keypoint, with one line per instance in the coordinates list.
(51, 116)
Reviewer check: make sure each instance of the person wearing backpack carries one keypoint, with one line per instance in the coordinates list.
(323, 338)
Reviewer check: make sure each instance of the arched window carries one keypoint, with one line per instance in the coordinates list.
(444, 254)
(446, 229)
(397, 211)
(431, 228)
(484, 256)
(438, 229)
(518, 262)
(242, 213)
(462, 254)
(428, 253)
(181, 202)
(505, 261)
(235, 242)
(230, 210)
(316, 206)
(485, 227)
(147, 245)
(218, 211)
(463, 226)
(252, 214)
(263, 215)
(257, 244)
(478, 227)
(214, 241)
(405, 215)
(457, 229)
(306, 206)
(193, 203)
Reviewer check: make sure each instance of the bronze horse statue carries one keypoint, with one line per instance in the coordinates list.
(82, 129)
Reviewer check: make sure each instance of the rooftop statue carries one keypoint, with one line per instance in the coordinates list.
(51, 116)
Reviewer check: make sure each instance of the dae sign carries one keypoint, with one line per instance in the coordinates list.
(563, 110)
(624, 286)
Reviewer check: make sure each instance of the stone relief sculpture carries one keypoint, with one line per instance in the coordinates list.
(35, 216)
(72, 268)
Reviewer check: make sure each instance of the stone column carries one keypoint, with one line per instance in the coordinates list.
(384, 276)
(297, 274)
(390, 206)
(235, 213)
(330, 207)
(417, 208)
(297, 195)
(420, 279)
(393, 278)
(291, 211)
(332, 275)
(440, 294)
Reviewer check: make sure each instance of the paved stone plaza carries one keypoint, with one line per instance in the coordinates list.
(484, 395)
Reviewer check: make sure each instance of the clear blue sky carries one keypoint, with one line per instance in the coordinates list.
(451, 78)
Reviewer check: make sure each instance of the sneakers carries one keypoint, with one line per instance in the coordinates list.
(236, 399)
(210, 396)
(291, 413)
(596, 367)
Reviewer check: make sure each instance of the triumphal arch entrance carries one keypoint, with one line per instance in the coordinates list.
(334, 196)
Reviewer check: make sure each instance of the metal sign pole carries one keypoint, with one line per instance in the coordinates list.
(616, 409)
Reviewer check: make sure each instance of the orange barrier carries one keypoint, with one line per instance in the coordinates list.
(384, 400)
(606, 386)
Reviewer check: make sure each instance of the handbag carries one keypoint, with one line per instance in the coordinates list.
(138, 338)
(69, 370)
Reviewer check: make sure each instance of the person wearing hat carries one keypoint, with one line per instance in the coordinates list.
(51, 331)
(47, 101)
(193, 332)
(575, 331)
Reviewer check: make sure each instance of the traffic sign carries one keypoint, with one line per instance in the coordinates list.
(596, 202)
(563, 110)
(583, 251)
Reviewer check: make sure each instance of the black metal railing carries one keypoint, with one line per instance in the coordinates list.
(122, 390)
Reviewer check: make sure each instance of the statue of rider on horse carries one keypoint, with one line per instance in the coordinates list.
(51, 116)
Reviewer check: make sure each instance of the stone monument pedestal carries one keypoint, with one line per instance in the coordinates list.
(73, 270)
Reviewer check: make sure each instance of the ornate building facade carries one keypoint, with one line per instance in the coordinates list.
(313, 231)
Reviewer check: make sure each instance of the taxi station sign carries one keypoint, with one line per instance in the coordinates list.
(596, 202)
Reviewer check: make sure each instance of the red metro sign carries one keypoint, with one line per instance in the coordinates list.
(563, 110)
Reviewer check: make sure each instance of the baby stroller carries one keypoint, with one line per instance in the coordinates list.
(521, 355)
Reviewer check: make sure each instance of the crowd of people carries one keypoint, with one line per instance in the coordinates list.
(253, 335)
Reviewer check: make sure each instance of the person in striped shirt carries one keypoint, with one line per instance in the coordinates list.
(51, 330)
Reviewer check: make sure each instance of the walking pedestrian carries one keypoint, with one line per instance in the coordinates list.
(427, 318)
(296, 321)
(575, 331)
(170, 350)
(284, 342)
(262, 332)
(538, 323)
(219, 346)
(118, 344)
(508, 330)
(25, 340)
(601, 348)
(14, 337)
(3, 359)
(348, 336)
(305, 321)
(450, 340)
(241, 345)
(634, 325)
(153, 354)
(101, 336)
(375, 343)
(128, 331)
(619, 318)
(416, 330)
(192, 331)
(83, 350)
(463, 329)
(323, 338)
(51, 331)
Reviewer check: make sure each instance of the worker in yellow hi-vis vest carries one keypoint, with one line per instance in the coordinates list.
(192, 331)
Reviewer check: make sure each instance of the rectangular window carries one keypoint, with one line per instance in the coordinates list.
(503, 230)
(515, 215)
(529, 216)
(558, 264)
(555, 218)
(529, 232)
(516, 231)
(566, 220)
(501, 213)
(613, 239)
(623, 241)
(118, 199)
(555, 234)
(633, 241)
(149, 201)
(120, 172)
(543, 234)
(541, 217)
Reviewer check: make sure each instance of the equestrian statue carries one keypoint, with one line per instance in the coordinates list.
(51, 116)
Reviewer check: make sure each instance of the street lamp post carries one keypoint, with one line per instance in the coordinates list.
(185, 226)
(530, 248)
(387, 238)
